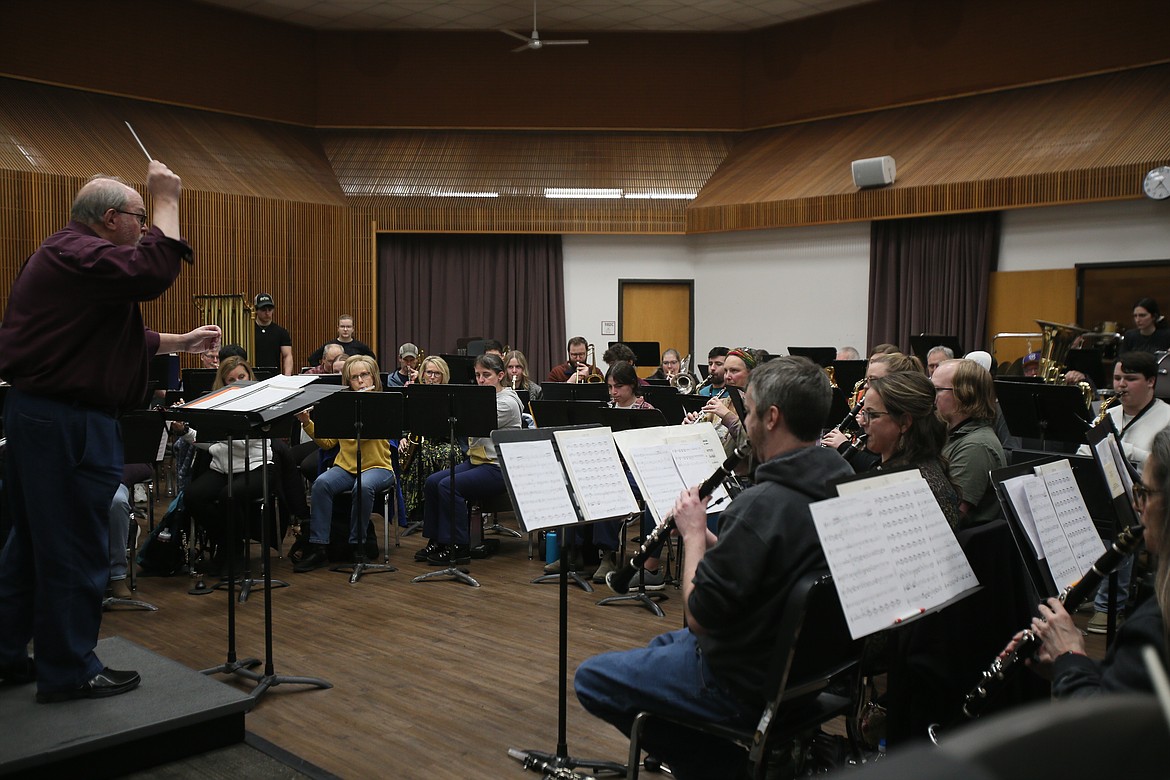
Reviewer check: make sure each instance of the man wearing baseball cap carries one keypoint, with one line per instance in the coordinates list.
(273, 345)
(407, 361)
(1032, 364)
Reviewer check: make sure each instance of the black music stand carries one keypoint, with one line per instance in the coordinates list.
(142, 433)
(669, 401)
(921, 345)
(462, 368)
(230, 424)
(575, 391)
(822, 356)
(357, 416)
(847, 373)
(197, 381)
(646, 353)
(1042, 411)
(561, 760)
(445, 412)
(554, 414)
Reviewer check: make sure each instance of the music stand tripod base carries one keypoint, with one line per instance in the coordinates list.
(641, 598)
(356, 570)
(574, 577)
(456, 573)
(110, 602)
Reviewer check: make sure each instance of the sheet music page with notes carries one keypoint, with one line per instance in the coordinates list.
(1017, 493)
(889, 552)
(693, 462)
(657, 477)
(1057, 552)
(538, 484)
(1072, 513)
(595, 471)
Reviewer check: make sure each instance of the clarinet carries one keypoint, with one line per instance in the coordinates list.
(619, 581)
(1073, 596)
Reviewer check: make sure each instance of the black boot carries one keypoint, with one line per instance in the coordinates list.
(315, 558)
(425, 552)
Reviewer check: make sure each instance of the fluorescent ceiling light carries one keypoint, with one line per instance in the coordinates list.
(661, 195)
(443, 194)
(581, 192)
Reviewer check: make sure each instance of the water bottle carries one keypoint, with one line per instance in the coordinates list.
(551, 548)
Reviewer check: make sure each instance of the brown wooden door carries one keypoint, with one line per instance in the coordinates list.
(657, 310)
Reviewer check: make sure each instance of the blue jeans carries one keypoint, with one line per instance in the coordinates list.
(671, 677)
(337, 480)
(446, 525)
(1124, 574)
(64, 464)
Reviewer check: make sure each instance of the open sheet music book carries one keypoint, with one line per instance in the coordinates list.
(543, 486)
(668, 459)
(1111, 459)
(252, 397)
(1056, 520)
(891, 551)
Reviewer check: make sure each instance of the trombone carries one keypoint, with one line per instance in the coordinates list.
(591, 357)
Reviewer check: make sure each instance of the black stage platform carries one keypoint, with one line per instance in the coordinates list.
(175, 712)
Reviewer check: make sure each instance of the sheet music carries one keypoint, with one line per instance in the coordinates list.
(1109, 466)
(252, 398)
(703, 432)
(1057, 553)
(161, 452)
(878, 480)
(538, 484)
(658, 478)
(693, 462)
(596, 473)
(1016, 489)
(891, 552)
(854, 543)
(1073, 514)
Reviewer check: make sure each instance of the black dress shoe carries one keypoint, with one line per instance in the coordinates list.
(450, 555)
(424, 553)
(19, 673)
(315, 558)
(107, 682)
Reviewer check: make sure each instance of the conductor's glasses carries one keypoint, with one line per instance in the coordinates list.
(140, 217)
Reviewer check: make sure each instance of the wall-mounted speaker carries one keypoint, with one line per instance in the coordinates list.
(873, 171)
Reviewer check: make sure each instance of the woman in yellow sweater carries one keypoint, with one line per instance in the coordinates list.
(360, 374)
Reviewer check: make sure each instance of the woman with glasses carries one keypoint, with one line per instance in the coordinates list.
(359, 374)
(420, 458)
(1062, 656)
(880, 364)
(903, 429)
(477, 477)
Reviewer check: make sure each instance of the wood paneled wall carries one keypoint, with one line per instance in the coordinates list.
(878, 55)
(1016, 299)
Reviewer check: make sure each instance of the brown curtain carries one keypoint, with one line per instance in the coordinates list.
(931, 275)
(436, 288)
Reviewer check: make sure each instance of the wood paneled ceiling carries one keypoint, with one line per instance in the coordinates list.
(552, 15)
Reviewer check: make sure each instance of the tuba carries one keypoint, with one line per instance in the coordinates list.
(1058, 340)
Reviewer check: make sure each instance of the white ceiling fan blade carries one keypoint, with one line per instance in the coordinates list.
(525, 47)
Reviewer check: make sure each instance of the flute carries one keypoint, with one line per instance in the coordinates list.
(619, 581)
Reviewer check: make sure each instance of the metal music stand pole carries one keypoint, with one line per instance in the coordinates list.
(467, 412)
(247, 582)
(386, 423)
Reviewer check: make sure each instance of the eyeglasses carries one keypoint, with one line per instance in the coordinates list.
(140, 217)
(868, 414)
(432, 373)
(1141, 494)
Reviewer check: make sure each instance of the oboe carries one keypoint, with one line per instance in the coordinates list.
(1073, 596)
(619, 581)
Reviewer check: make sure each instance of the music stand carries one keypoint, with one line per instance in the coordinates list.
(668, 400)
(1043, 411)
(142, 433)
(446, 412)
(230, 424)
(822, 356)
(197, 381)
(561, 759)
(357, 416)
(646, 353)
(462, 368)
(847, 373)
(921, 345)
(553, 414)
(575, 391)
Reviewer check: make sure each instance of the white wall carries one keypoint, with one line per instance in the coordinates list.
(1061, 237)
(809, 286)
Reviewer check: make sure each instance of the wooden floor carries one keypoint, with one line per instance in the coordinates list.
(434, 679)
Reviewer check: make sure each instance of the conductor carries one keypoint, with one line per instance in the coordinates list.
(73, 305)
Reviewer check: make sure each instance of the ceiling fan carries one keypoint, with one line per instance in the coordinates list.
(535, 42)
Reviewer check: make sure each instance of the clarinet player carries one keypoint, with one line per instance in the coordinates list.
(734, 584)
